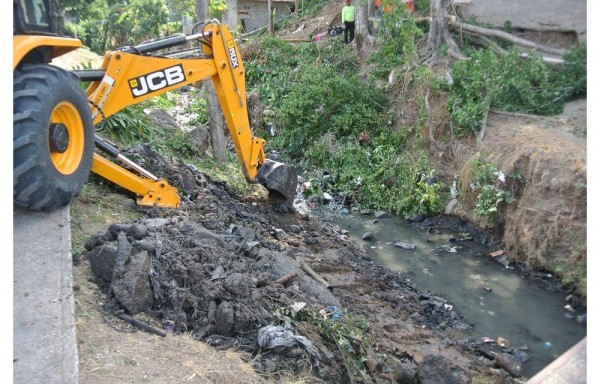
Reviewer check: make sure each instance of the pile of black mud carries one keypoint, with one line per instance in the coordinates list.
(211, 269)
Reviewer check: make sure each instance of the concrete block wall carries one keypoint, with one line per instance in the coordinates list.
(560, 15)
(254, 14)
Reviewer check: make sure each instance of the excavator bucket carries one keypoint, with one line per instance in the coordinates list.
(279, 178)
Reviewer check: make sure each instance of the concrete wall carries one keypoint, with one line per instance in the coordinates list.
(562, 15)
(254, 14)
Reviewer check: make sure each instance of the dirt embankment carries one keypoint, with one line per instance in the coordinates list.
(545, 163)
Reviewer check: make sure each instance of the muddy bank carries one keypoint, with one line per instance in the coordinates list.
(545, 227)
(210, 269)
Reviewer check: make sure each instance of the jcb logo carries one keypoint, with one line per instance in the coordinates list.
(232, 54)
(156, 80)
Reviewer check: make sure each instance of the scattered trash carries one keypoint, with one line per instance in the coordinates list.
(497, 253)
(334, 313)
(169, 325)
(448, 306)
(500, 176)
(284, 337)
(488, 339)
(298, 306)
(334, 31)
(305, 186)
(569, 308)
(502, 342)
(548, 345)
(450, 249)
(287, 278)
(403, 245)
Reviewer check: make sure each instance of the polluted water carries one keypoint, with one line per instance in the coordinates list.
(504, 307)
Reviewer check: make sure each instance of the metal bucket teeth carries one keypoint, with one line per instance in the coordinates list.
(278, 177)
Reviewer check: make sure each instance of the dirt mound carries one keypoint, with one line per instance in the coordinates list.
(210, 270)
(328, 17)
(78, 59)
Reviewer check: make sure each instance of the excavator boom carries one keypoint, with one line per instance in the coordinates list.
(131, 75)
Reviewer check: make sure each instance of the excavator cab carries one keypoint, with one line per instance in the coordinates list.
(54, 141)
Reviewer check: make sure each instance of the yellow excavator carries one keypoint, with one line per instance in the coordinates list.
(55, 145)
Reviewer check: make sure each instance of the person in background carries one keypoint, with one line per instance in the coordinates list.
(348, 13)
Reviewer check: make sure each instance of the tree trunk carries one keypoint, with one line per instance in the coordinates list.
(230, 17)
(216, 121)
(270, 11)
(202, 10)
(509, 37)
(362, 17)
(439, 32)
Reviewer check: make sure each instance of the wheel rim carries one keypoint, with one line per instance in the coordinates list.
(67, 161)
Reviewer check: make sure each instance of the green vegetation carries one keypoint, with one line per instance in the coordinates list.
(512, 83)
(490, 186)
(107, 24)
(335, 111)
(132, 126)
(328, 118)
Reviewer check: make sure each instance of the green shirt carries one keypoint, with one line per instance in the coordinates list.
(348, 13)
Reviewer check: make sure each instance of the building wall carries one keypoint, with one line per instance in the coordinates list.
(254, 14)
(531, 14)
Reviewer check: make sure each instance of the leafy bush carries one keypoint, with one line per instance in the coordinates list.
(490, 185)
(399, 49)
(327, 118)
(512, 83)
(324, 101)
(132, 126)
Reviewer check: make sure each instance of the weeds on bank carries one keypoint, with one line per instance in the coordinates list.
(327, 117)
(488, 184)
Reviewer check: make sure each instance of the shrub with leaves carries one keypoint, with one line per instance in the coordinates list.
(511, 83)
(324, 101)
(489, 183)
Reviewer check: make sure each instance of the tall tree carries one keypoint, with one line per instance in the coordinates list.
(439, 32)
(270, 12)
(362, 17)
(216, 120)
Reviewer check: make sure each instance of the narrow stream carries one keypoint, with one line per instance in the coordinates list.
(495, 300)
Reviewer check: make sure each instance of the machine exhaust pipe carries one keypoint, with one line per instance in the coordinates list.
(279, 179)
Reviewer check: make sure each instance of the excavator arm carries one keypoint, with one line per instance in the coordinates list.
(131, 75)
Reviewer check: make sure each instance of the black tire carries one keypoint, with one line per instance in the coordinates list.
(48, 173)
